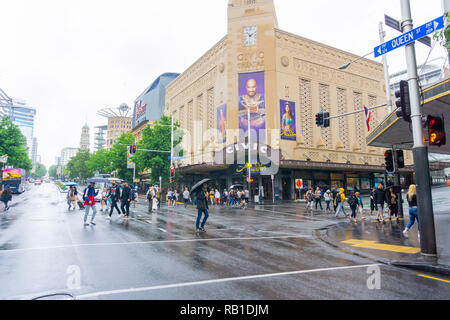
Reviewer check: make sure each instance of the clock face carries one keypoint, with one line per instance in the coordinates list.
(250, 35)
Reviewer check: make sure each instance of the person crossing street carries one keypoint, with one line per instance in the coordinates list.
(89, 195)
(202, 207)
(114, 196)
(125, 200)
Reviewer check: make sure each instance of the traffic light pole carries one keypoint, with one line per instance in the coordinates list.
(420, 151)
(397, 183)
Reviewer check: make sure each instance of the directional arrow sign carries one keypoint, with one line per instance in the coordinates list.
(408, 37)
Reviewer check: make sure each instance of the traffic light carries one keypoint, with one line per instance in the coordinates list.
(400, 159)
(403, 102)
(436, 130)
(326, 120)
(172, 174)
(319, 119)
(389, 157)
(133, 149)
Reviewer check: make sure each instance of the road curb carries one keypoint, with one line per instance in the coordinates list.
(322, 234)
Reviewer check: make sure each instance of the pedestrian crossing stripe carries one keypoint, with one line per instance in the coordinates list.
(380, 246)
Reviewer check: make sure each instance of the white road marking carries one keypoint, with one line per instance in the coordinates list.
(162, 230)
(196, 283)
(153, 242)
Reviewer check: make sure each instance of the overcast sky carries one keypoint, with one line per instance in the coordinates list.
(70, 58)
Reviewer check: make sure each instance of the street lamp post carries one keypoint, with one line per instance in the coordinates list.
(249, 159)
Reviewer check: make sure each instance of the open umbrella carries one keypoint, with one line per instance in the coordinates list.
(114, 179)
(198, 185)
(236, 186)
(70, 184)
(98, 180)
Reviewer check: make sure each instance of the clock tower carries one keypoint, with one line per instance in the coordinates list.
(251, 49)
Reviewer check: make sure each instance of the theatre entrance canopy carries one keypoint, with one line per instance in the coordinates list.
(393, 132)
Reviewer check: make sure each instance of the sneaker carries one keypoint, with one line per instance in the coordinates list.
(86, 224)
(197, 231)
(202, 230)
(405, 233)
(108, 218)
(94, 224)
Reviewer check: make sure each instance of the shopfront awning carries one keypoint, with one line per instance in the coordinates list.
(393, 132)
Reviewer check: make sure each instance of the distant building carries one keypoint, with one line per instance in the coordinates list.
(38, 159)
(34, 151)
(118, 123)
(432, 72)
(22, 115)
(58, 161)
(100, 139)
(149, 106)
(67, 154)
(84, 142)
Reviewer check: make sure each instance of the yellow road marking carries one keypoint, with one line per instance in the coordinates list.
(379, 246)
(424, 276)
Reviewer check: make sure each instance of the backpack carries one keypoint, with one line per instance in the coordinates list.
(353, 202)
(338, 198)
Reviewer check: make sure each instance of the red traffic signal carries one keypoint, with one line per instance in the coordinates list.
(436, 130)
(133, 149)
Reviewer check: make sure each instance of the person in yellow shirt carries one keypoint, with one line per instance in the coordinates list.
(339, 202)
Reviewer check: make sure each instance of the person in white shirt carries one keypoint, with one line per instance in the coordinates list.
(186, 197)
(217, 195)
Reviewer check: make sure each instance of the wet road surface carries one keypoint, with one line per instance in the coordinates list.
(264, 253)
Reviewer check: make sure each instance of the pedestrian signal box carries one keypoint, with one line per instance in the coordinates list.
(436, 130)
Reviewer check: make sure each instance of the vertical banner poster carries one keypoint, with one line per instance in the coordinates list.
(222, 124)
(252, 97)
(288, 125)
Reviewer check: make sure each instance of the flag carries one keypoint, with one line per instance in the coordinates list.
(368, 115)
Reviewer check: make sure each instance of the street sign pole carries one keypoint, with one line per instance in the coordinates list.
(386, 71)
(422, 170)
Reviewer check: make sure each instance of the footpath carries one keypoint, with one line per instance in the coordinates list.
(385, 243)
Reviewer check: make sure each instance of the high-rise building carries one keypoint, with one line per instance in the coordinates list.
(100, 140)
(22, 115)
(38, 159)
(67, 154)
(58, 161)
(118, 123)
(34, 150)
(84, 141)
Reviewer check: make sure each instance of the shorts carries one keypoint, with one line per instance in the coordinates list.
(380, 207)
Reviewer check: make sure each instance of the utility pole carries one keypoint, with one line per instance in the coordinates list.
(171, 148)
(249, 159)
(420, 150)
(134, 165)
(397, 183)
(386, 71)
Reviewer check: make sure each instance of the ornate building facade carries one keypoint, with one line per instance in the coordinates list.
(275, 82)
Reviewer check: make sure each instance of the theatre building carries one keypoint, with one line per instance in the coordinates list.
(273, 82)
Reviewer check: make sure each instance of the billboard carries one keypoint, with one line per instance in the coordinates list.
(222, 124)
(252, 97)
(288, 125)
(12, 174)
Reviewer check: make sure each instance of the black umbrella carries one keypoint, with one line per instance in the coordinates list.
(200, 184)
(236, 186)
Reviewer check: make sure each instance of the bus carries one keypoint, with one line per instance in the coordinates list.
(14, 179)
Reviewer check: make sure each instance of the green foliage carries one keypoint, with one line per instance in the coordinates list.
(118, 157)
(77, 167)
(14, 144)
(443, 36)
(39, 170)
(52, 171)
(100, 161)
(158, 137)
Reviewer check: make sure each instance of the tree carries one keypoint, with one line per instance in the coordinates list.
(53, 171)
(158, 137)
(14, 144)
(100, 161)
(40, 170)
(118, 157)
(77, 167)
